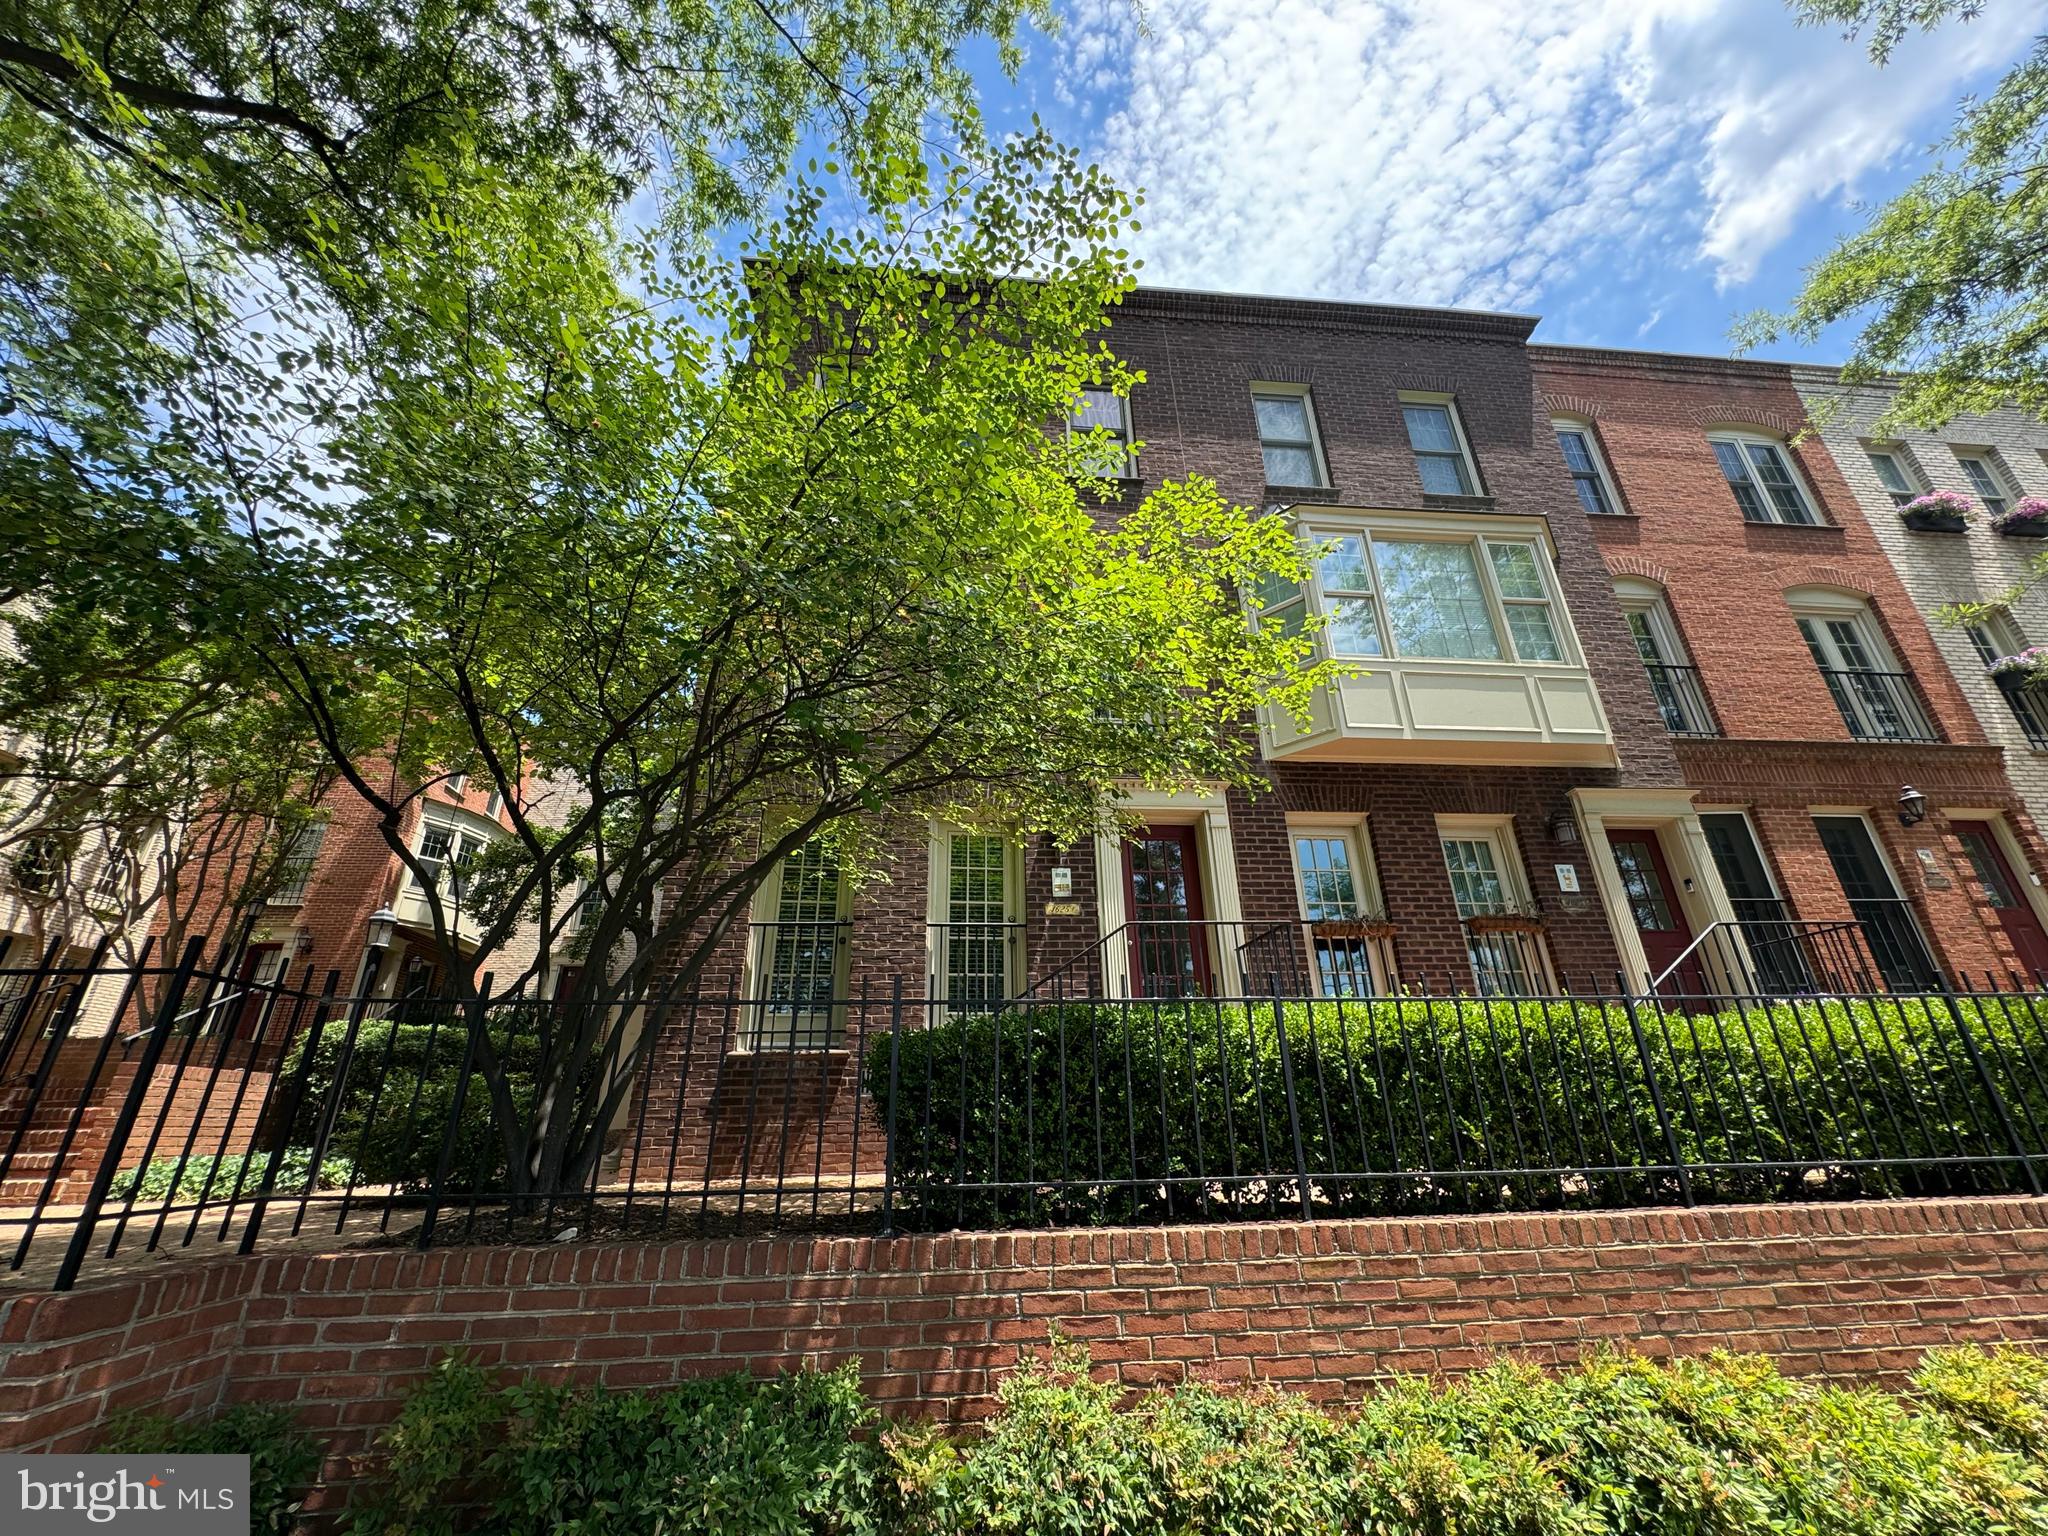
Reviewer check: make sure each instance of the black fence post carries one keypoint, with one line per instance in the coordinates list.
(1657, 1098)
(1998, 1104)
(889, 1114)
(131, 1108)
(446, 1161)
(1308, 1205)
(308, 1045)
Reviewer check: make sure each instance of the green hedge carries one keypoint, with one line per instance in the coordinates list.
(283, 1458)
(235, 1175)
(397, 1134)
(1155, 1111)
(1716, 1447)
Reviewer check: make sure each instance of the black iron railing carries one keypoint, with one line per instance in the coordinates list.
(1681, 699)
(2030, 707)
(1879, 706)
(1079, 1109)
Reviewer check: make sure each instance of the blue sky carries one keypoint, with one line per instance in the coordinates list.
(1637, 172)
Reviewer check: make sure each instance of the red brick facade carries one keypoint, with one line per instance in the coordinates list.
(1786, 750)
(1846, 1290)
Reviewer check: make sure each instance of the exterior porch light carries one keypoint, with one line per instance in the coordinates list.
(1912, 806)
(382, 924)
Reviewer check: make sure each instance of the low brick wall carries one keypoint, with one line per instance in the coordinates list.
(1848, 1290)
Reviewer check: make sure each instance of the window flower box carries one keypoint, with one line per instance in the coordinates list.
(2026, 518)
(1505, 922)
(2027, 669)
(1352, 928)
(1938, 512)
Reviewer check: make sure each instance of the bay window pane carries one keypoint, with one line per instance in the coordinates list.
(1436, 606)
(1535, 637)
(1353, 629)
(1514, 566)
(1344, 569)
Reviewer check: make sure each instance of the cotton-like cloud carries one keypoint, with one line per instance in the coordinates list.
(1465, 151)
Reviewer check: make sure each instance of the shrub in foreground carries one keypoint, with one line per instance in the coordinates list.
(1716, 1447)
(283, 1458)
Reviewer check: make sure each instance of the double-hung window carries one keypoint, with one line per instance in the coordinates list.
(1287, 435)
(1486, 883)
(1582, 462)
(1994, 637)
(1890, 465)
(1987, 478)
(1441, 455)
(1338, 900)
(1102, 411)
(1760, 475)
(1525, 600)
(976, 938)
(295, 864)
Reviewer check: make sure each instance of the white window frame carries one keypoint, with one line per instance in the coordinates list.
(938, 909)
(1125, 462)
(1602, 477)
(312, 837)
(769, 1028)
(1319, 531)
(1993, 485)
(1306, 395)
(1468, 464)
(1356, 835)
(1743, 443)
(1498, 833)
(1912, 484)
(1636, 594)
(1819, 609)
(1999, 629)
(115, 874)
(466, 835)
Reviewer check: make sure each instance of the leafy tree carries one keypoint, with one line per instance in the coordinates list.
(753, 554)
(1949, 280)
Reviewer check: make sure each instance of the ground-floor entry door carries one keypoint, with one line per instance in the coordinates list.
(1169, 948)
(2009, 904)
(1884, 915)
(1653, 903)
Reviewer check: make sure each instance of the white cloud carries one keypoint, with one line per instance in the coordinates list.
(1464, 151)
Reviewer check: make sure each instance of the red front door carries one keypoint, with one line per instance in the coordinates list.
(1163, 883)
(2009, 904)
(1646, 880)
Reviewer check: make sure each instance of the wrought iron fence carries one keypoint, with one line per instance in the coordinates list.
(165, 1122)
(1879, 706)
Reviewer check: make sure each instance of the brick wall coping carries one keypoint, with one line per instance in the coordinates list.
(42, 1314)
(1327, 314)
(1565, 355)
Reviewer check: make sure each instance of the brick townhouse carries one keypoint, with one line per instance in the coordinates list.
(1996, 460)
(1493, 805)
(1843, 778)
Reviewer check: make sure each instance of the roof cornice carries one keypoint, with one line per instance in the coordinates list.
(1326, 314)
(1672, 362)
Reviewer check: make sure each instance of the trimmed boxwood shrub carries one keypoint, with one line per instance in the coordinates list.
(1160, 1111)
(394, 1136)
(1723, 1445)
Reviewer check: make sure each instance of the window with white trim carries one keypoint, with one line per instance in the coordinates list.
(1420, 596)
(1287, 435)
(1487, 885)
(976, 938)
(116, 875)
(1587, 468)
(1104, 410)
(1759, 472)
(1876, 698)
(1674, 681)
(1987, 478)
(444, 852)
(295, 863)
(800, 935)
(1339, 895)
(1894, 472)
(1442, 456)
